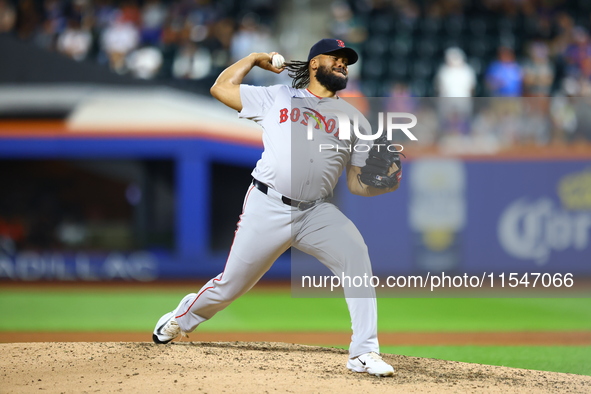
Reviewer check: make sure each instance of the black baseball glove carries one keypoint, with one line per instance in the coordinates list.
(377, 166)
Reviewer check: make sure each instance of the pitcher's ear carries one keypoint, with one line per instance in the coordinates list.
(314, 64)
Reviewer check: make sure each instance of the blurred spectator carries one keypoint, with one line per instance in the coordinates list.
(130, 12)
(452, 117)
(202, 13)
(83, 11)
(562, 111)
(538, 72)
(74, 41)
(104, 14)
(145, 63)
(53, 12)
(535, 124)
(71, 232)
(538, 77)
(118, 40)
(400, 99)
(192, 62)
(345, 25)
(455, 82)
(220, 41)
(577, 52)
(504, 76)
(564, 34)
(45, 36)
(244, 39)
(485, 137)
(455, 78)
(171, 31)
(7, 16)
(508, 116)
(582, 127)
(28, 19)
(252, 37)
(12, 233)
(153, 16)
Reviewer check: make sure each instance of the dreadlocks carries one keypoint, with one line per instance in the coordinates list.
(298, 70)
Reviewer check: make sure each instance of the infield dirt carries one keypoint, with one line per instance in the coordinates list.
(249, 367)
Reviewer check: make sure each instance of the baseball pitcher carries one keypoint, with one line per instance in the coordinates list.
(287, 204)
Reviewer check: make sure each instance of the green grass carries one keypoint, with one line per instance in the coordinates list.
(265, 310)
(568, 359)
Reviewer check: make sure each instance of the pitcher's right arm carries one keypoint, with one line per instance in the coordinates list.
(226, 88)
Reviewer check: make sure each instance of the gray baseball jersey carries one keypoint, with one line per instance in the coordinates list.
(291, 164)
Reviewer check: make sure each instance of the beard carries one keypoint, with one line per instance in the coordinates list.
(332, 82)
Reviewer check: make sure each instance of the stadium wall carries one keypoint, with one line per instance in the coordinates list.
(451, 214)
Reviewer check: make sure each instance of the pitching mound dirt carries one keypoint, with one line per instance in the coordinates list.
(248, 367)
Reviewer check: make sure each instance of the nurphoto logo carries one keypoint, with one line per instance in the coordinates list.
(345, 126)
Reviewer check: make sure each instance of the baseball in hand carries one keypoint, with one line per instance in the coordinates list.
(277, 60)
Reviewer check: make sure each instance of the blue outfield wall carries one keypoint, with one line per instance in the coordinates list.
(448, 215)
(529, 216)
(506, 216)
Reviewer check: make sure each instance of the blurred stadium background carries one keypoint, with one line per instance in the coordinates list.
(117, 164)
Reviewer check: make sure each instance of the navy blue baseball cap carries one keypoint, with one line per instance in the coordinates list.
(328, 45)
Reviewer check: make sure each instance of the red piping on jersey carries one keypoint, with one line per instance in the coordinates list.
(319, 96)
(313, 94)
(220, 278)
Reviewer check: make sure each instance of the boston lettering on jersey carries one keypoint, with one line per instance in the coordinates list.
(305, 115)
